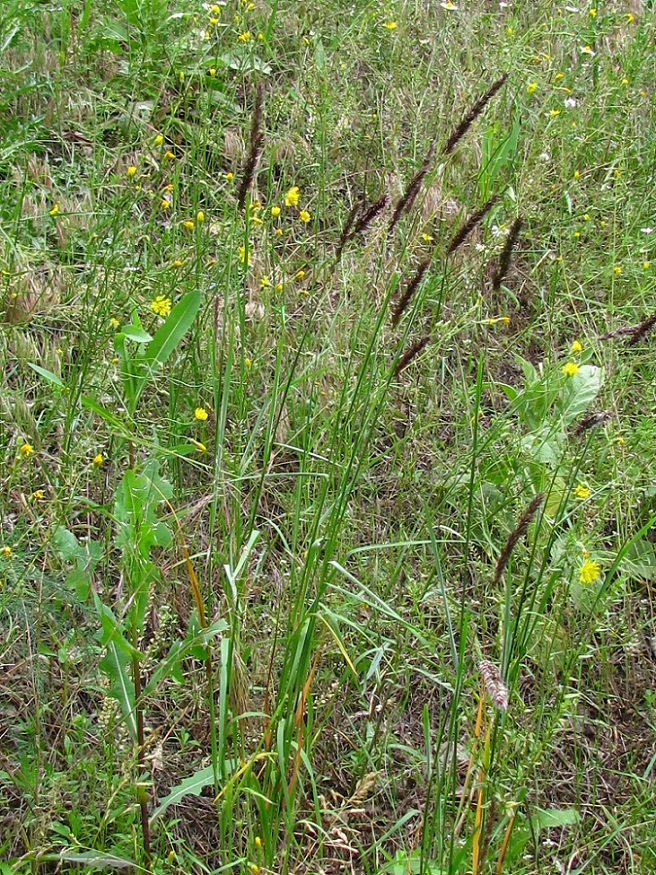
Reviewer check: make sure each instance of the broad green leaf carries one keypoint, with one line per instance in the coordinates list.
(116, 665)
(47, 375)
(580, 391)
(138, 335)
(556, 817)
(191, 786)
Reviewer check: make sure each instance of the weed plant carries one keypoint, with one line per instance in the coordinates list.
(328, 457)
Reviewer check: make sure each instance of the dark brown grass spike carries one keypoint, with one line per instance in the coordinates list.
(643, 329)
(591, 420)
(517, 533)
(475, 219)
(409, 292)
(408, 356)
(506, 254)
(370, 214)
(346, 230)
(412, 190)
(255, 150)
(459, 132)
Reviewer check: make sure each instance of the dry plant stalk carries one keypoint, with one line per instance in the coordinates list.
(459, 132)
(412, 190)
(403, 302)
(619, 332)
(408, 356)
(506, 253)
(257, 143)
(518, 532)
(474, 220)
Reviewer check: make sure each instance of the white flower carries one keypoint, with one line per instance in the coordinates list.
(570, 102)
(647, 230)
(545, 156)
(587, 50)
(447, 4)
(571, 9)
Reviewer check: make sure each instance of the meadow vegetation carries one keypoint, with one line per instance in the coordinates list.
(328, 452)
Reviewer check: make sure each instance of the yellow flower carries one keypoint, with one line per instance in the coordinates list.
(586, 217)
(161, 306)
(168, 187)
(181, 75)
(159, 139)
(576, 347)
(559, 76)
(130, 172)
(229, 176)
(212, 71)
(570, 368)
(531, 87)
(291, 198)
(38, 495)
(304, 216)
(275, 212)
(576, 174)
(258, 842)
(553, 113)
(6, 551)
(279, 287)
(177, 263)
(299, 275)
(164, 204)
(244, 37)
(215, 8)
(98, 459)
(189, 225)
(279, 232)
(26, 449)
(264, 282)
(168, 155)
(247, 362)
(625, 81)
(629, 17)
(200, 414)
(114, 322)
(592, 13)
(617, 268)
(581, 491)
(390, 25)
(200, 447)
(200, 217)
(213, 21)
(589, 571)
(54, 210)
(426, 238)
(645, 265)
(242, 255)
(255, 869)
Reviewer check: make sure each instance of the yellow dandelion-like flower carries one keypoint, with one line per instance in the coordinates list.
(229, 176)
(299, 275)
(291, 198)
(26, 450)
(168, 155)
(215, 9)
(201, 414)
(264, 282)
(576, 174)
(576, 347)
(304, 216)
(255, 869)
(164, 204)
(159, 139)
(617, 269)
(426, 238)
(181, 75)
(114, 322)
(531, 87)
(570, 368)
(645, 265)
(176, 263)
(279, 232)
(589, 571)
(200, 447)
(38, 495)
(629, 18)
(200, 217)
(212, 71)
(247, 362)
(98, 459)
(244, 37)
(275, 212)
(581, 491)
(213, 21)
(390, 25)
(131, 171)
(592, 13)
(553, 113)
(189, 225)
(559, 76)
(587, 50)
(279, 287)
(161, 306)
(242, 255)
(6, 551)
(54, 210)
(625, 81)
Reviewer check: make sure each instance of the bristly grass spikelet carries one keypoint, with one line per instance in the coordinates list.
(506, 254)
(494, 686)
(408, 356)
(403, 302)
(591, 420)
(412, 190)
(642, 329)
(255, 150)
(475, 218)
(352, 227)
(518, 532)
(459, 132)
(619, 332)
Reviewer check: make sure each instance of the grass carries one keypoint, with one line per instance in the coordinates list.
(327, 522)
